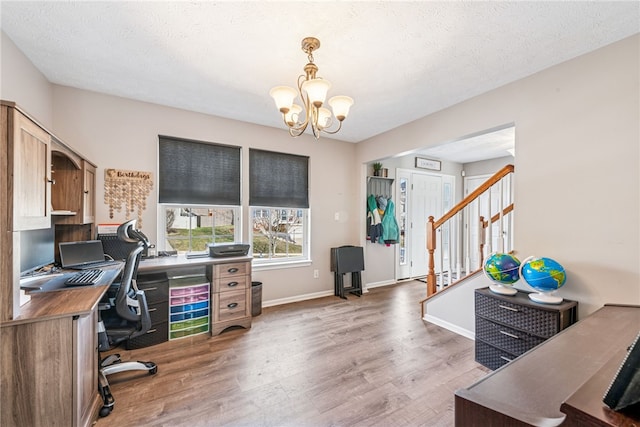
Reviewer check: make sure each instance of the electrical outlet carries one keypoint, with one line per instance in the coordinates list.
(316, 274)
(336, 216)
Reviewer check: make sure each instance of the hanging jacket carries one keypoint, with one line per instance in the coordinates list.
(374, 224)
(390, 229)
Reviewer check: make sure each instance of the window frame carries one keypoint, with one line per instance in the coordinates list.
(276, 262)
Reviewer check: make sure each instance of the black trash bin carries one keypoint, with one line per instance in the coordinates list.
(256, 298)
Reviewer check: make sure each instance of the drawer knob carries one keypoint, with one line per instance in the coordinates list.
(232, 305)
(510, 335)
(232, 270)
(509, 308)
(232, 284)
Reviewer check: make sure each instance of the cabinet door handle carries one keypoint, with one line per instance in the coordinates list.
(232, 305)
(510, 335)
(232, 270)
(506, 358)
(509, 308)
(51, 181)
(232, 284)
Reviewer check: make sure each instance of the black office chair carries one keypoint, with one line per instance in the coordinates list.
(124, 314)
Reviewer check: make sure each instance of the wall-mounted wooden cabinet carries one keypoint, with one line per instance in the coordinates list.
(40, 178)
(29, 150)
(73, 189)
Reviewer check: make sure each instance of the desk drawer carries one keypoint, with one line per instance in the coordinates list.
(159, 312)
(154, 290)
(505, 338)
(157, 334)
(231, 305)
(222, 271)
(234, 283)
(539, 322)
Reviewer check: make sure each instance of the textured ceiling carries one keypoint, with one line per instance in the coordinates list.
(399, 60)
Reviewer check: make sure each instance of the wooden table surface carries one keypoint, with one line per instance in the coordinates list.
(66, 301)
(531, 389)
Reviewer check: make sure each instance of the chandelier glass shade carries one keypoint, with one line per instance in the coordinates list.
(312, 91)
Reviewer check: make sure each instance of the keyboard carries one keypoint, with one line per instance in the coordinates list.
(84, 278)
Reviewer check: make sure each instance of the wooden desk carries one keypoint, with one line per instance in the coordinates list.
(585, 407)
(531, 389)
(49, 358)
(230, 290)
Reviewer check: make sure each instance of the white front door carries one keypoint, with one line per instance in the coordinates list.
(425, 201)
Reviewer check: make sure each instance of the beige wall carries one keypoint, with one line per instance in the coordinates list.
(22, 83)
(577, 162)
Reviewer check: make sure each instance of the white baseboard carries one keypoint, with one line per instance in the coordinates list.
(305, 297)
(378, 284)
(296, 298)
(449, 326)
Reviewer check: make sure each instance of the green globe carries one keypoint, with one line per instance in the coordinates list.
(501, 268)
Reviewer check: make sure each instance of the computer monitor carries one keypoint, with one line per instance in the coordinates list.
(78, 254)
(37, 249)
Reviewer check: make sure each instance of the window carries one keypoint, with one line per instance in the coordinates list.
(279, 200)
(279, 234)
(191, 228)
(199, 194)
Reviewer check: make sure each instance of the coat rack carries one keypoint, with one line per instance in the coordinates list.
(379, 186)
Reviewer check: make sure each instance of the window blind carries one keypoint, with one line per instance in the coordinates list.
(278, 179)
(196, 172)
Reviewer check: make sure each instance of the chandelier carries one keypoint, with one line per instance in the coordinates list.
(312, 90)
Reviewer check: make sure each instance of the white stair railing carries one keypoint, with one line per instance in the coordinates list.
(488, 210)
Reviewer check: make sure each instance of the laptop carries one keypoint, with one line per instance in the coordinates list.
(83, 255)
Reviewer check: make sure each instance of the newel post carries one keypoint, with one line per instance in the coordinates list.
(431, 247)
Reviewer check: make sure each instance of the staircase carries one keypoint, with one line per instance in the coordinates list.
(480, 224)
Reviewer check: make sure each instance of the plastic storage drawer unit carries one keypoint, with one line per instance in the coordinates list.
(188, 305)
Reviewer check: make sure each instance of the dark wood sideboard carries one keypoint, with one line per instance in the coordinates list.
(560, 382)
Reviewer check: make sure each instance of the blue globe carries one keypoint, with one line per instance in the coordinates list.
(543, 274)
(501, 268)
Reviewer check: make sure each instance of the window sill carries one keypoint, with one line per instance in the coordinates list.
(279, 265)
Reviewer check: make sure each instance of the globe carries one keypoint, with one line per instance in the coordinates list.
(545, 275)
(503, 270)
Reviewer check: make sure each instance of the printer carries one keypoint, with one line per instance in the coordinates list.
(220, 250)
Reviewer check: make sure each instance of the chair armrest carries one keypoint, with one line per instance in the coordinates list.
(145, 317)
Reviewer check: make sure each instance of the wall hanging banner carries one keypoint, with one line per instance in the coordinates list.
(129, 189)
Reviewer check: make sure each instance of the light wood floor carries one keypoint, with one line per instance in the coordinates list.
(368, 361)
